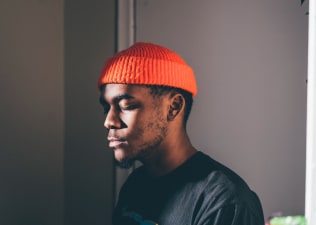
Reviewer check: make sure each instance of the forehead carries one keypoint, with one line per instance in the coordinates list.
(112, 91)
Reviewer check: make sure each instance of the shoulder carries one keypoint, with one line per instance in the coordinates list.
(206, 168)
(220, 178)
(225, 191)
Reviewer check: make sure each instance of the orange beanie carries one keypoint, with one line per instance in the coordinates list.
(151, 64)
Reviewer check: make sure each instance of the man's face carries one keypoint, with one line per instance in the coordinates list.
(136, 121)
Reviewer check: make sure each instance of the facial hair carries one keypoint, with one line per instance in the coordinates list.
(147, 148)
(125, 163)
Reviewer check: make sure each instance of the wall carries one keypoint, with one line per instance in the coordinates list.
(89, 40)
(250, 59)
(32, 112)
(54, 168)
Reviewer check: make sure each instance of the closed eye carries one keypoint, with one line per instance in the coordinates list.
(130, 107)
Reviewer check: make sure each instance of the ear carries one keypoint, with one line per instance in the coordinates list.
(176, 106)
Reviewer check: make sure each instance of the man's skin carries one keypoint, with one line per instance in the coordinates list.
(145, 127)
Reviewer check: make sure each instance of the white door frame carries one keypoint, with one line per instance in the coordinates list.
(310, 193)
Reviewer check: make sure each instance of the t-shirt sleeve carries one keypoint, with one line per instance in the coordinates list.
(232, 214)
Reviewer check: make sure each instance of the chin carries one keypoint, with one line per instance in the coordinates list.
(125, 164)
(123, 161)
(120, 154)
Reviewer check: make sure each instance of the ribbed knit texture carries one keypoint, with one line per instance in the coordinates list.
(151, 64)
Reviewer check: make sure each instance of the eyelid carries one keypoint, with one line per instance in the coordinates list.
(127, 104)
(130, 107)
(123, 104)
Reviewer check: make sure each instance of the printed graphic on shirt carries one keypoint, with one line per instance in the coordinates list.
(134, 218)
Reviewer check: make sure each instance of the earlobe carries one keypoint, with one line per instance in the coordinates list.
(175, 107)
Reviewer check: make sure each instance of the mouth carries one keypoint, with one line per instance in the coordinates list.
(115, 142)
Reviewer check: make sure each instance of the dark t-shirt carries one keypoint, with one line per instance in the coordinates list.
(199, 192)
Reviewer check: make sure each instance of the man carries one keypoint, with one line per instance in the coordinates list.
(147, 92)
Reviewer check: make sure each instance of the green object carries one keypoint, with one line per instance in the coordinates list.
(288, 220)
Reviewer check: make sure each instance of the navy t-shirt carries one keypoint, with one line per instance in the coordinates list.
(199, 192)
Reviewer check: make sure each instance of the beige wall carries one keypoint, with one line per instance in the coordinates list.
(250, 59)
(54, 168)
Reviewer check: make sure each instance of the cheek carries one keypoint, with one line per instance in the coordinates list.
(142, 125)
(134, 125)
(132, 120)
(138, 118)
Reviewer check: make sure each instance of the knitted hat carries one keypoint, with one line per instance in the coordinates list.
(151, 64)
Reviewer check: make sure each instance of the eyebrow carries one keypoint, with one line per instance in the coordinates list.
(121, 97)
(116, 98)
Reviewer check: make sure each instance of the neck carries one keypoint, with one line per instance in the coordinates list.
(170, 155)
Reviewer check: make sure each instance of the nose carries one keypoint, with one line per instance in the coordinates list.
(112, 120)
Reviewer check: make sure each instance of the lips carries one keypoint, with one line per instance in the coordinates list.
(115, 142)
